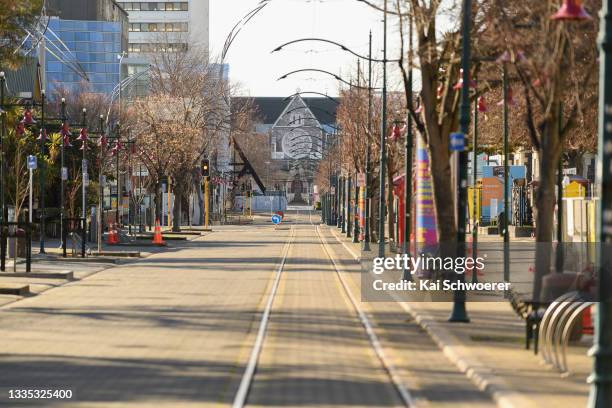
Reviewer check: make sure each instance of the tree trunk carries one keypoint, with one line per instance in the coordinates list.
(443, 197)
(177, 209)
(158, 202)
(549, 153)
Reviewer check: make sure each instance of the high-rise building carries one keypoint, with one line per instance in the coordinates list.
(166, 26)
(83, 42)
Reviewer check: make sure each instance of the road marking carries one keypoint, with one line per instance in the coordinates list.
(249, 372)
(389, 367)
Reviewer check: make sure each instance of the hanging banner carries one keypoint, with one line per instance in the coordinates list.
(426, 234)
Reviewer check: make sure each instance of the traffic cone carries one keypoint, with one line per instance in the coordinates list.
(110, 240)
(157, 236)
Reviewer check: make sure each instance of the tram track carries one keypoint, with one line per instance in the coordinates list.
(249, 377)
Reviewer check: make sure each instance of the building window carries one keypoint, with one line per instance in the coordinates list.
(155, 27)
(155, 6)
(156, 47)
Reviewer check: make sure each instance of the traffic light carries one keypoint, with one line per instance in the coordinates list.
(205, 168)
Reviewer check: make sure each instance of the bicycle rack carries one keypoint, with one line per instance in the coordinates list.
(556, 327)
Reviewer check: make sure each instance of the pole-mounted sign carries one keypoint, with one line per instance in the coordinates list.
(32, 162)
(457, 142)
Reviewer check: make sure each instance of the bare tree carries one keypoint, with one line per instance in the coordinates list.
(181, 120)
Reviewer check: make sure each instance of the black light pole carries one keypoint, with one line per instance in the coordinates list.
(84, 171)
(2, 157)
(408, 160)
(383, 154)
(100, 219)
(41, 172)
(129, 181)
(506, 218)
(342, 202)
(459, 312)
(355, 209)
(366, 234)
(601, 378)
(559, 251)
(64, 170)
(349, 224)
(119, 195)
(475, 220)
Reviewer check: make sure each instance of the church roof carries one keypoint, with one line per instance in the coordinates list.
(270, 108)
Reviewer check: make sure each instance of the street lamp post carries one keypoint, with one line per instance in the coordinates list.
(408, 160)
(366, 226)
(383, 154)
(84, 171)
(356, 211)
(41, 172)
(2, 157)
(102, 144)
(459, 312)
(341, 201)
(475, 222)
(119, 195)
(63, 169)
(601, 378)
(506, 219)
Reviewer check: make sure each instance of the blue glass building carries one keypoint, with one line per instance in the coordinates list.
(95, 45)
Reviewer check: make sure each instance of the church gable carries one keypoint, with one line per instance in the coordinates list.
(297, 113)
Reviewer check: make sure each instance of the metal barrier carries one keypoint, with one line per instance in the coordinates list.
(557, 325)
(5, 233)
(69, 227)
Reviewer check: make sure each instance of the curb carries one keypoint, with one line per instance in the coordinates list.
(482, 376)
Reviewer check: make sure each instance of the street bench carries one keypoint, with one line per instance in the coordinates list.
(531, 313)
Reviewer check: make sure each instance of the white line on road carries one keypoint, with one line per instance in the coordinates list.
(249, 372)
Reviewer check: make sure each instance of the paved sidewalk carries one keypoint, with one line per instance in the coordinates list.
(490, 350)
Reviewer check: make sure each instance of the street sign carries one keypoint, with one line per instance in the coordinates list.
(570, 171)
(64, 173)
(276, 219)
(457, 142)
(361, 179)
(32, 162)
(333, 190)
(85, 179)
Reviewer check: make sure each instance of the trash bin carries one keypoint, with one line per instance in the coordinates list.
(20, 237)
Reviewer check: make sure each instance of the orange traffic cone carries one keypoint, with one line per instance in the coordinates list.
(110, 240)
(157, 236)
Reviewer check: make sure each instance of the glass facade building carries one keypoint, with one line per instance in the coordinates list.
(95, 45)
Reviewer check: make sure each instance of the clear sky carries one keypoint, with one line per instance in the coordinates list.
(256, 69)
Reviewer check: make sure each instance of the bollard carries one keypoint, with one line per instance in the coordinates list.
(83, 227)
(3, 232)
(64, 239)
(28, 238)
